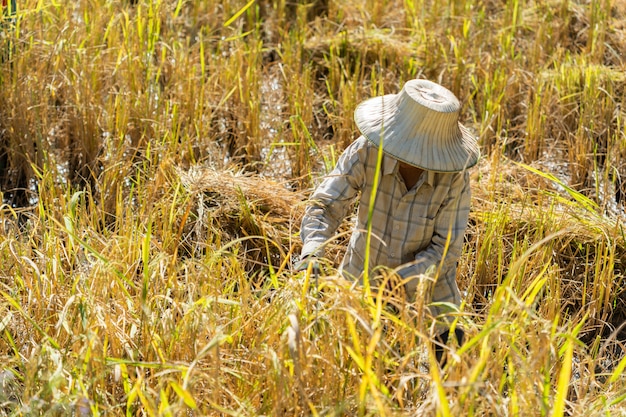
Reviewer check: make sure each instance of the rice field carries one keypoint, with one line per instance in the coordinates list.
(155, 160)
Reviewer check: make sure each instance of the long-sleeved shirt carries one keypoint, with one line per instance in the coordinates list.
(412, 230)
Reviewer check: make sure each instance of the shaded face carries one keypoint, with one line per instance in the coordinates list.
(407, 167)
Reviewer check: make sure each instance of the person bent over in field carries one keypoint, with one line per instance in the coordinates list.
(421, 199)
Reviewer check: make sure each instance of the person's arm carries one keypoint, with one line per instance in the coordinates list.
(331, 200)
(450, 221)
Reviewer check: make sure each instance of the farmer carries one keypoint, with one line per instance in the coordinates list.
(421, 198)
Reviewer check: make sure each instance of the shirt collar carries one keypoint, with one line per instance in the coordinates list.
(390, 165)
(430, 178)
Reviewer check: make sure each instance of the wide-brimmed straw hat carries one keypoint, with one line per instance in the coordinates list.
(419, 126)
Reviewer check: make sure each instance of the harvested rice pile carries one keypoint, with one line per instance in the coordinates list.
(261, 214)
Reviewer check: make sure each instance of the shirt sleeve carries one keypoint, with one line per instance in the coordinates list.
(331, 200)
(448, 236)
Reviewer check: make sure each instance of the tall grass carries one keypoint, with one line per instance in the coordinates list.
(154, 162)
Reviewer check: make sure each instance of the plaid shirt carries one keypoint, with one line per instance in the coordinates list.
(412, 230)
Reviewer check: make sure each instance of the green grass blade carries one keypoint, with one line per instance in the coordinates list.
(239, 13)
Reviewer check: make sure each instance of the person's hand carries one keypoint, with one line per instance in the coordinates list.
(304, 263)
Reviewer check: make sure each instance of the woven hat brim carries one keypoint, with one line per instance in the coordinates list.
(451, 149)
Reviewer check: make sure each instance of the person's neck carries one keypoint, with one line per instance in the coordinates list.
(410, 174)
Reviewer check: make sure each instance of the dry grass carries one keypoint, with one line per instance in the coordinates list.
(154, 162)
